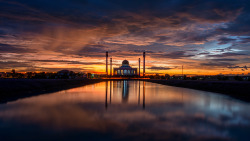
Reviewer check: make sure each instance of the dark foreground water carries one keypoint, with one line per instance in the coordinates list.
(125, 110)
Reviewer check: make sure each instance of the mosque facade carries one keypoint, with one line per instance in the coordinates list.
(125, 70)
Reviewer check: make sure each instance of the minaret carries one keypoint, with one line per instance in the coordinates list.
(107, 55)
(139, 67)
(144, 54)
(182, 73)
(110, 67)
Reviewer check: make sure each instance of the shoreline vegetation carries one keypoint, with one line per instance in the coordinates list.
(236, 89)
(13, 89)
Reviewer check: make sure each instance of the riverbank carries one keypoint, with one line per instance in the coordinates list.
(13, 89)
(236, 89)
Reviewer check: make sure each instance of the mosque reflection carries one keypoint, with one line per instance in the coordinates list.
(123, 88)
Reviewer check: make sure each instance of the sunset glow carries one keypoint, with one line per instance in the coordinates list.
(206, 37)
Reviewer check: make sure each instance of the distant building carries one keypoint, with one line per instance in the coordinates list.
(125, 70)
(65, 74)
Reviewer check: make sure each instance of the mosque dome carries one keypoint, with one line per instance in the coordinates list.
(125, 62)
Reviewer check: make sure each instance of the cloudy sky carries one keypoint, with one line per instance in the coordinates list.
(206, 36)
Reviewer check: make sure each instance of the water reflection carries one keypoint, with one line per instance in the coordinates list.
(125, 91)
(124, 85)
(139, 92)
(106, 97)
(112, 110)
(143, 94)
(110, 92)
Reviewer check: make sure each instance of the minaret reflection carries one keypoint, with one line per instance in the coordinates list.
(121, 88)
(106, 97)
(139, 92)
(125, 89)
(110, 92)
(143, 95)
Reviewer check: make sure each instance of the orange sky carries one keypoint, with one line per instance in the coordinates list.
(45, 37)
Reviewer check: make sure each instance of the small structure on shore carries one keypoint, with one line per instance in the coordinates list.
(65, 74)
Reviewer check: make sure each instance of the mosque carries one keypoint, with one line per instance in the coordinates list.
(125, 70)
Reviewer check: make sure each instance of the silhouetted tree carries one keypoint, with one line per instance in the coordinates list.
(194, 78)
(221, 77)
(157, 76)
(238, 78)
(163, 77)
(185, 77)
(13, 71)
(167, 76)
(151, 76)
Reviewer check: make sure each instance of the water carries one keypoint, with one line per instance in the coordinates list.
(126, 110)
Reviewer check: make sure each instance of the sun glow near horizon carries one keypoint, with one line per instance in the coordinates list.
(53, 39)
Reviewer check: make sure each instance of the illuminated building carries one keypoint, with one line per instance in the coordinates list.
(125, 70)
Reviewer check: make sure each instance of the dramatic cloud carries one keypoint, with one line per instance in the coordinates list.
(6, 48)
(216, 64)
(225, 40)
(173, 55)
(226, 55)
(13, 64)
(160, 68)
(236, 67)
(79, 32)
(70, 62)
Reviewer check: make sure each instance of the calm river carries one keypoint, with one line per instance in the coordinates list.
(125, 110)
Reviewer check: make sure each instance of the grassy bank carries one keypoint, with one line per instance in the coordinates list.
(236, 89)
(12, 89)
